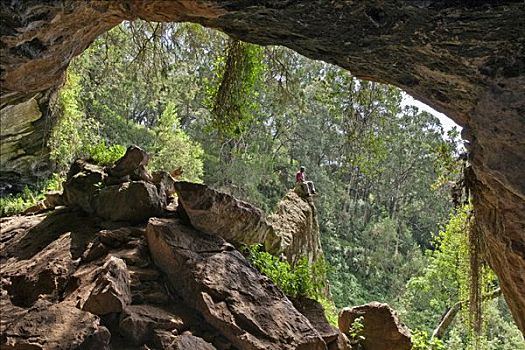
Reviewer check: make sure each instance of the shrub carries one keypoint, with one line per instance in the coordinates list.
(422, 341)
(17, 203)
(302, 280)
(105, 155)
(356, 330)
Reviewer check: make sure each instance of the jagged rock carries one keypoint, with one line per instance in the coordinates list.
(137, 322)
(83, 182)
(134, 158)
(295, 220)
(223, 215)
(56, 327)
(293, 230)
(95, 250)
(111, 292)
(135, 254)
(44, 274)
(117, 237)
(38, 208)
(52, 199)
(25, 237)
(382, 328)
(341, 343)
(112, 197)
(232, 296)
(165, 183)
(134, 202)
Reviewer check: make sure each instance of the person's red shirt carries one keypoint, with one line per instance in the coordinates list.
(299, 176)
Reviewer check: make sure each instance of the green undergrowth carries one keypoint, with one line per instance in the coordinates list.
(421, 340)
(105, 155)
(17, 203)
(302, 280)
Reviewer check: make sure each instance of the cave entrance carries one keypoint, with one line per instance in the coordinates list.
(464, 59)
(374, 157)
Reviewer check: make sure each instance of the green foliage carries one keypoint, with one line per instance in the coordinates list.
(173, 148)
(445, 281)
(302, 280)
(105, 155)
(422, 341)
(356, 330)
(429, 294)
(16, 204)
(330, 311)
(233, 95)
(73, 131)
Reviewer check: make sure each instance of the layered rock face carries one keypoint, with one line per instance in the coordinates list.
(463, 58)
(295, 219)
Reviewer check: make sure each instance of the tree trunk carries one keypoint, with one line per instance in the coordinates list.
(443, 326)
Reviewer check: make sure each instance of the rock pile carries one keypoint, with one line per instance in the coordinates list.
(110, 281)
(123, 192)
(107, 281)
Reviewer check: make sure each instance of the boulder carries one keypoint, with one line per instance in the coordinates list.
(165, 183)
(83, 182)
(134, 202)
(111, 292)
(341, 343)
(128, 165)
(171, 341)
(37, 208)
(295, 220)
(56, 327)
(138, 322)
(223, 215)
(119, 236)
(231, 295)
(382, 328)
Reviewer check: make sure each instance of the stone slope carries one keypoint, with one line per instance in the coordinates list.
(108, 285)
(232, 296)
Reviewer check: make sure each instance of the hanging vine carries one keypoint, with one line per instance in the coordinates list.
(234, 97)
(479, 274)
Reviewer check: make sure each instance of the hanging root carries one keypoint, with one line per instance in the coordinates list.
(475, 282)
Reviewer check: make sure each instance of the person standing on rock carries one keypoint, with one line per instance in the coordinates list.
(307, 187)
